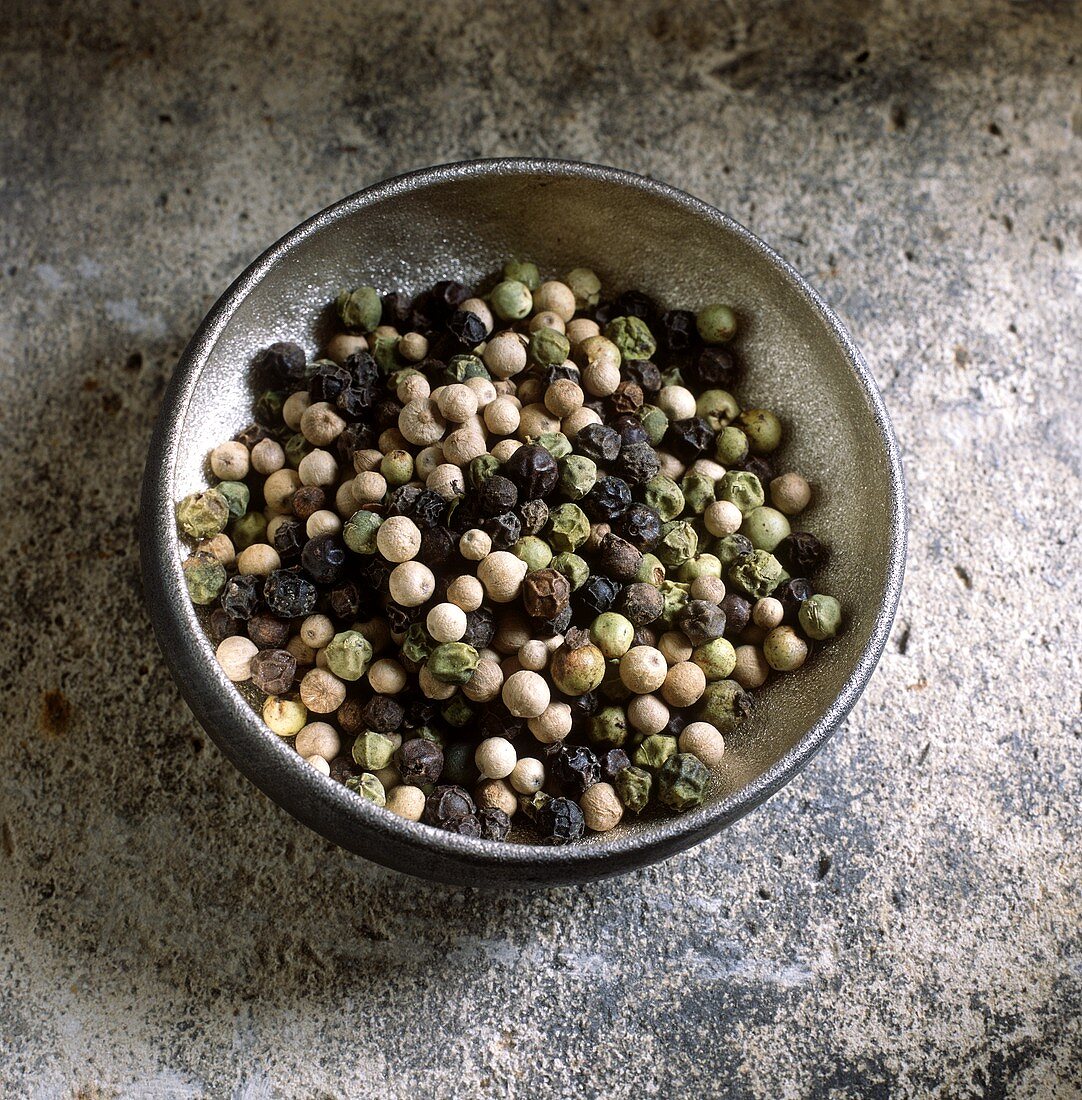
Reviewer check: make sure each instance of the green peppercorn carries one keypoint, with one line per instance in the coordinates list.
(632, 336)
(359, 533)
(458, 764)
(703, 565)
(511, 300)
(368, 786)
(716, 323)
(481, 469)
(297, 447)
(698, 490)
(360, 308)
(586, 287)
(577, 671)
(654, 751)
(731, 446)
(612, 634)
(522, 271)
(416, 645)
(203, 515)
(663, 495)
(655, 423)
(763, 429)
(651, 571)
(717, 407)
(429, 733)
(765, 527)
(633, 788)
(452, 662)
(608, 727)
(678, 542)
(549, 347)
(349, 654)
(820, 617)
(612, 686)
(572, 567)
(717, 659)
(236, 496)
(556, 443)
(742, 489)
(535, 552)
(674, 596)
(569, 527)
(682, 781)
(757, 573)
(457, 712)
(248, 530)
(723, 704)
(460, 368)
(397, 467)
(578, 475)
(784, 649)
(730, 547)
(373, 751)
(205, 578)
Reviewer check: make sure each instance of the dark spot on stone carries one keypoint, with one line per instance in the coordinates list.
(924, 753)
(165, 119)
(1008, 223)
(994, 130)
(134, 361)
(765, 894)
(111, 403)
(862, 57)
(910, 256)
(963, 575)
(7, 839)
(55, 713)
(903, 640)
(91, 384)
(197, 746)
(1057, 244)
(1012, 328)
(825, 863)
(899, 117)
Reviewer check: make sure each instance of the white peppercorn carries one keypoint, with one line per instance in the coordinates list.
(643, 669)
(505, 354)
(321, 424)
(387, 677)
(546, 319)
(710, 589)
(323, 522)
(344, 344)
(411, 583)
(722, 518)
(505, 449)
(229, 461)
(675, 647)
(220, 546)
(398, 539)
(318, 467)
(293, 409)
(648, 714)
(413, 347)
(703, 740)
(528, 775)
(556, 297)
(496, 794)
(573, 424)
(433, 688)
(684, 684)
(526, 694)
(502, 574)
(767, 613)
(317, 631)
(406, 801)
(421, 422)
(258, 560)
(533, 656)
(495, 758)
(278, 491)
(318, 739)
(457, 402)
(235, 656)
(283, 715)
(446, 479)
(475, 545)
(601, 808)
(321, 691)
(446, 622)
(676, 402)
(466, 592)
(322, 766)
(369, 487)
(751, 669)
(268, 455)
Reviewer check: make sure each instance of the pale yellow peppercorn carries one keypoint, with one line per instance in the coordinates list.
(258, 560)
(317, 631)
(496, 794)
(398, 539)
(526, 694)
(235, 657)
(643, 669)
(293, 409)
(648, 714)
(230, 461)
(387, 677)
(268, 455)
(284, 715)
(684, 684)
(278, 491)
(675, 646)
(703, 740)
(552, 724)
(485, 683)
(406, 801)
(502, 574)
(466, 592)
(601, 808)
(219, 546)
(411, 583)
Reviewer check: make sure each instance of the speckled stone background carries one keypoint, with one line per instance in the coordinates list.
(903, 920)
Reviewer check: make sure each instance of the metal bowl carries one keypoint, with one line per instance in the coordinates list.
(463, 221)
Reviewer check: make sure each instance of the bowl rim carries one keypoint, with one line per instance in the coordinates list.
(313, 798)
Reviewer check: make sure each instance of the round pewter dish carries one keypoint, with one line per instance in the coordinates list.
(464, 221)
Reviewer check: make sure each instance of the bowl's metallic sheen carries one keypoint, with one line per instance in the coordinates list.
(463, 221)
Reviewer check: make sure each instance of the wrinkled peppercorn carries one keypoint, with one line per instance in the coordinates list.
(419, 761)
(273, 671)
(350, 718)
(354, 438)
(467, 328)
(627, 398)
(268, 630)
(801, 553)
(599, 442)
(645, 373)
(575, 767)
(497, 494)
(533, 470)
(737, 614)
(760, 467)
(613, 762)
(323, 559)
(547, 627)
(284, 360)
(345, 601)
(629, 427)
(638, 462)
(504, 530)
(438, 548)
(494, 823)
(560, 820)
(242, 596)
(327, 381)
(344, 768)
(545, 593)
(223, 625)
(678, 331)
(792, 594)
(480, 628)
(640, 603)
(609, 498)
(534, 515)
(447, 805)
(690, 438)
(289, 595)
(715, 368)
(633, 303)
(641, 526)
(701, 621)
(383, 713)
(597, 594)
(289, 539)
(583, 706)
(618, 558)
(308, 500)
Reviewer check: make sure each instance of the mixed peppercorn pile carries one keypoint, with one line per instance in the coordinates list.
(512, 556)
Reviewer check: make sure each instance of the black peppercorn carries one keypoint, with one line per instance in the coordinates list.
(801, 553)
(480, 628)
(400, 501)
(438, 547)
(327, 381)
(644, 636)
(599, 442)
(576, 767)
(792, 594)
(355, 401)
(638, 462)
(677, 330)
(618, 558)
(497, 494)
(597, 594)
(495, 720)
(737, 613)
(626, 398)
(714, 368)
(547, 627)
(242, 596)
(284, 360)
(419, 761)
(613, 762)
(645, 373)
(701, 621)
(383, 713)
(252, 435)
(429, 509)
(583, 706)
(533, 470)
(420, 711)
(676, 723)
(289, 539)
(494, 823)
(399, 618)
(267, 630)
(223, 625)
(560, 373)
(289, 595)
(363, 369)
(467, 328)
(640, 603)
(629, 427)
(345, 601)
(273, 671)
(545, 593)
(354, 438)
(446, 296)
(760, 467)
(504, 530)
(323, 559)
(560, 820)
(396, 311)
(633, 303)
(350, 718)
(609, 498)
(385, 414)
(343, 768)
(534, 515)
(308, 500)
(447, 805)
(641, 526)
(688, 439)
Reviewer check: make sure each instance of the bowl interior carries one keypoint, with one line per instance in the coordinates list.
(465, 226)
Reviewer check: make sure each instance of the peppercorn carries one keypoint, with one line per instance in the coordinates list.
(223, 625)
(578, 475)
(373, 751)
(597, 594)
(608, 727)
(792, 594)
(452, 662)
(323, 558)
(242, 596)
(608, 499)
(637, 463)
(545, 593)
(640, 525)
(613, 762)
(285, 361)
(493, 823)
(801, 552)
(419, 761)
(743, 489)
(576, 768)
(273, 671)
(203, 515)
(633, 788)
(497, 494)
(688, 438)
(765, 528)
(640, 603)
(548, 347)
(308, 500)
(663, 495)
(618, 558)
(724, 703)
(644, 374)
(678, 543)
(682, 781)
(268, 408)
(576, 671)
(654, 750)
(480, 628)
(598, 442)
(289, 595)
(368, 787)
(467, 328)
(820, 617)
(534, 514)
(701, 622)
(560, 820)
(533, 470)
(511, 300)
(757, 573)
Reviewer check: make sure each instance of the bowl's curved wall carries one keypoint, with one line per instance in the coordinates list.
(464, 221)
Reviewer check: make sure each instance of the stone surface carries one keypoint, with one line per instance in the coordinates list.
(903, 919)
